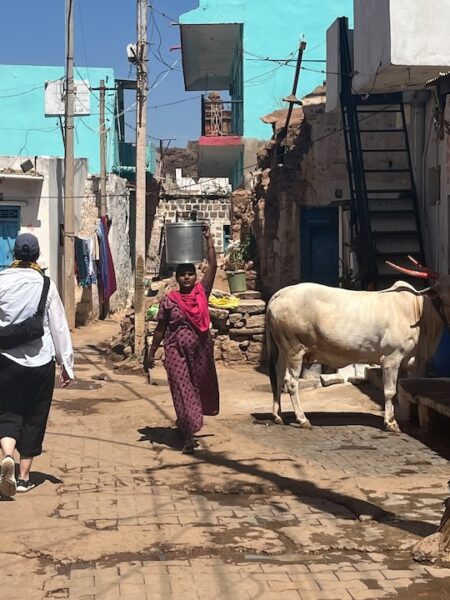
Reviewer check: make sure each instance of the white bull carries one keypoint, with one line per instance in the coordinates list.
(338, 327)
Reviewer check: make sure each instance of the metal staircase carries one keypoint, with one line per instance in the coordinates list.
(385, 219)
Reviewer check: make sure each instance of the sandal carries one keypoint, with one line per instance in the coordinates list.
(189, 447)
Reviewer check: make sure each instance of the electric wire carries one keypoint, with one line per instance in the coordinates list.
(163, 14)
(316, 141)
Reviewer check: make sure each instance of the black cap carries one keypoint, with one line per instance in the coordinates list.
(26, 247)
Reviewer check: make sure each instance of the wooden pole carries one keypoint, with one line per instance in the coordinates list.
(69, 186)
(103, 134)
(141, 148)
(103, 304)
(292, 99)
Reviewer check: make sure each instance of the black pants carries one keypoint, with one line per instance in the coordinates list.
(25, 397)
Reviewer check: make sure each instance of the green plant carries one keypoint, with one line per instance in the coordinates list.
(237, 255)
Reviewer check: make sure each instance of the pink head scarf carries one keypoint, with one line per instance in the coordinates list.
(194, 305)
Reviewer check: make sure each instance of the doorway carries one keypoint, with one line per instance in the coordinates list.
(319, 245)
(9, 230)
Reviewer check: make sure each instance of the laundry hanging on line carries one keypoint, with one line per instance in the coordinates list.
(85, 261)
(107, 273)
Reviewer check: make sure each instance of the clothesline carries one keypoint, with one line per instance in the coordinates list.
(94, 262)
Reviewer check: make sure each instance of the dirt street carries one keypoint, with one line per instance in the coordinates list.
(259, 512)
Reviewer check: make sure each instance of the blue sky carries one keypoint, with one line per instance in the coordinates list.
(34, 34)
(103, 28)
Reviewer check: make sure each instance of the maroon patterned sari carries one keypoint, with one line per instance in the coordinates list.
(190, 366)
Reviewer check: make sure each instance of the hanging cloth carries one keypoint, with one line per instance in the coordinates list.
(107, 271)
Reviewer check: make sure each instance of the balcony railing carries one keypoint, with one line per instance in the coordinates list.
(221, 117)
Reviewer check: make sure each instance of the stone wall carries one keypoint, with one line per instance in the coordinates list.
(118, 206)
(242, 212)
(118, 210)
(214, 210)
(306, 169)
(238, 334)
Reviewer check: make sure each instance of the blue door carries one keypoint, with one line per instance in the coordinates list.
(9, 229)
(319, 245)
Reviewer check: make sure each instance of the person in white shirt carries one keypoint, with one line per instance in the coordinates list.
(27, 372)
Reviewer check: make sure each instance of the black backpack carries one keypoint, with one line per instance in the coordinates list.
(15, 334)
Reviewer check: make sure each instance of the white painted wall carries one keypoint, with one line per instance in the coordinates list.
(431, 160)
(399, 44)
(41, 204)
(334, 66)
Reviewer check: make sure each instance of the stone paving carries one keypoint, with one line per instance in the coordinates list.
(259, 512)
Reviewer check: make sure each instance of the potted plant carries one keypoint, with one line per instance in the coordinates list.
(236, 257)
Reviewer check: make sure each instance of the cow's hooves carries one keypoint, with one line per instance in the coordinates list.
(306, 425)
(278, 420)
(393, 427)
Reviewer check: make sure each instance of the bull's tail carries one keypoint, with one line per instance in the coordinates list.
(272, 355)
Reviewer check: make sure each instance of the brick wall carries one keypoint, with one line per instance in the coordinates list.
(216, 211)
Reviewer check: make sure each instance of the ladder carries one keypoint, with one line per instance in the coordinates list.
(385, 220)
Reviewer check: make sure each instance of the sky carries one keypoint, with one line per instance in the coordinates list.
(103, 29)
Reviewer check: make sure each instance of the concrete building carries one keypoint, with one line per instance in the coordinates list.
(239, 48)
(26, 129)
(403, 47)
(32, 197)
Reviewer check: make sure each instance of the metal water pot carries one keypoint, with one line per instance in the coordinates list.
(184, 243)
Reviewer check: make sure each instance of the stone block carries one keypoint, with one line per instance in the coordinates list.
(218, 314)
(259, 338)
(244, 333)
(256, 347)
(253, 358)
(231, 351)
(217, 352)
(235, 318)
(331, 379)
(244, 344)
(249, 295)
(251, 307)
(255, 321)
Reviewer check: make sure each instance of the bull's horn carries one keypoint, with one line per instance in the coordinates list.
(432, 274)
(424, 292)
(411, 272)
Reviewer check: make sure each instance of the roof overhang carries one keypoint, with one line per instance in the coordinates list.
(20, 177)
(208, 52)
(218, 156)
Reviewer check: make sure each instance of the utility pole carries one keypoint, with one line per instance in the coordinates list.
(103, 133)
(292, 99)
(104, 304)
(141, 147)
(69, 187)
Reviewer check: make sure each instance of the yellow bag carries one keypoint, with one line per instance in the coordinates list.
(224, 302)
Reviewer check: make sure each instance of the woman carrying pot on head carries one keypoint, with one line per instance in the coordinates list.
(183, 323)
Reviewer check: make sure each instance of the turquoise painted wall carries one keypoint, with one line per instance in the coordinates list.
(273, 29)
(26, 131)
